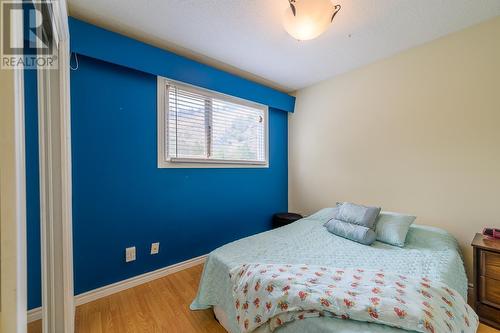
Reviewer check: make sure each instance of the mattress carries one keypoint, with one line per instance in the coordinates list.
(429, 252)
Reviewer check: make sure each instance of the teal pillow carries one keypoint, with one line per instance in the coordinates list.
(358, 214)
(391, 228)
(351, 231)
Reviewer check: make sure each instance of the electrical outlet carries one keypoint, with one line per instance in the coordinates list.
(130, 254)
(155, 248)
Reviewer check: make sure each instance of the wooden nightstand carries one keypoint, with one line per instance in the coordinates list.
(487, 279)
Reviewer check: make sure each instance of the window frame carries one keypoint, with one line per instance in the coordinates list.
(164, 161)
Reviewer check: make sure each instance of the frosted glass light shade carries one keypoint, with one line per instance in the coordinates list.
(312, 18)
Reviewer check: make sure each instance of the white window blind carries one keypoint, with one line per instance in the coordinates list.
(203, 126)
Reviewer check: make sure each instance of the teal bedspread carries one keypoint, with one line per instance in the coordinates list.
(428, 252)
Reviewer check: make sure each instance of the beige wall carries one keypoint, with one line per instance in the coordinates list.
(418, 132)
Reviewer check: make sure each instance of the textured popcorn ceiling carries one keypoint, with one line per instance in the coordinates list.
(246, 36)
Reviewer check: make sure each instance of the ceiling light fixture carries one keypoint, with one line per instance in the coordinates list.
(307, 19)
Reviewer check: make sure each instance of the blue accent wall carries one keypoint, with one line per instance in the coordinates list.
(32, 189)
(120, 197)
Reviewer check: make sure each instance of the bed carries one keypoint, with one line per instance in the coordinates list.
(428, 252)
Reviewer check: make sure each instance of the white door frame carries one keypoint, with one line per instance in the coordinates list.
(13, 289)
(55, 182)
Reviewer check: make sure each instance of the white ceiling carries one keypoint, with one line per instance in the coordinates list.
(246, 36)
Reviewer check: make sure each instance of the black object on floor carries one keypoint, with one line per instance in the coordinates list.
(282, 219)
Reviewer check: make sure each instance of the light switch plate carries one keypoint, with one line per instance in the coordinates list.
(130, 254)
(155, 248)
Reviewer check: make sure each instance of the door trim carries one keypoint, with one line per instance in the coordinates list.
(55, 182)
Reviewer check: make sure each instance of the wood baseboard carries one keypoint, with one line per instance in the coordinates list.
(92, 295)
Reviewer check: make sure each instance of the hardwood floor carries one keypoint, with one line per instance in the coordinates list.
(158, 306)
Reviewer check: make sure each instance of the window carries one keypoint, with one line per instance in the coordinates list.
(202, 128)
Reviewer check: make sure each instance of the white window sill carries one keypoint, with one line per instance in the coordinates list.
(208, 165)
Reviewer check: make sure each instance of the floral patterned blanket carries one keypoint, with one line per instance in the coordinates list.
(284, 293)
